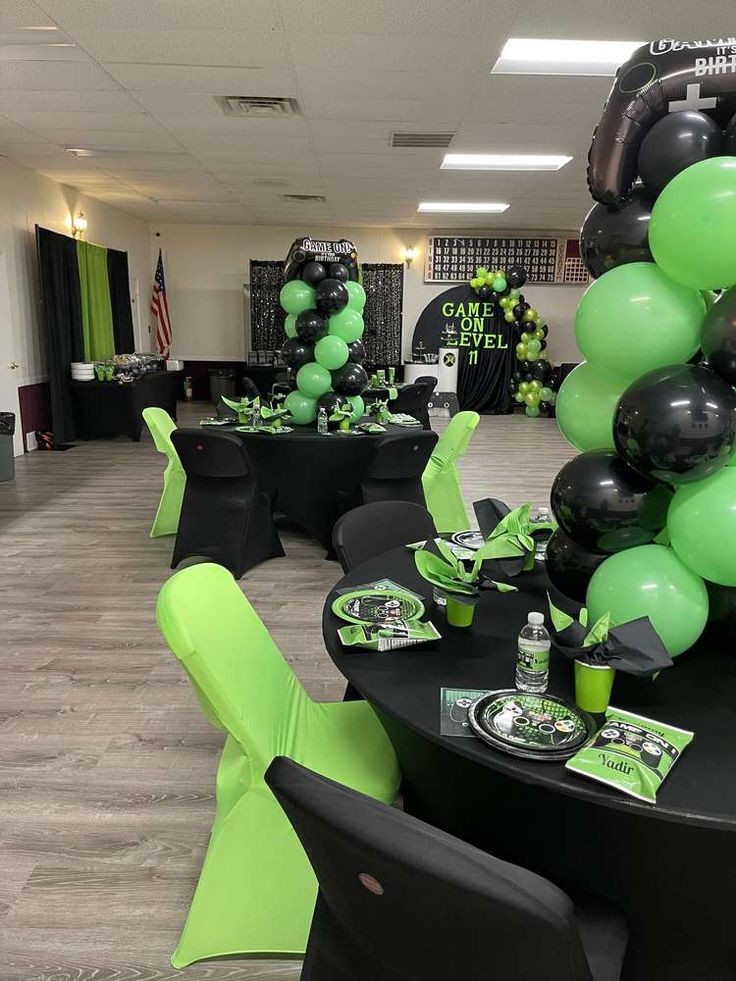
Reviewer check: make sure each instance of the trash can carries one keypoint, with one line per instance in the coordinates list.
(222, 382)
(7, 458)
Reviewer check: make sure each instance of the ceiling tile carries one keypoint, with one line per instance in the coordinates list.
(204, 47)
(215, 81)
(16, 14)
(163, 14)
(51, 100)
(50, 76)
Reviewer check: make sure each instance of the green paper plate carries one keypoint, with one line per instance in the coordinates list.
(377, 606)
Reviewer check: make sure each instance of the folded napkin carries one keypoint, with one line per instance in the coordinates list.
(509, 534)
(463, 578)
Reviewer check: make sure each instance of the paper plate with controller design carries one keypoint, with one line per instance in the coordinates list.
(383, 602)
(533, 727)
(468, 539)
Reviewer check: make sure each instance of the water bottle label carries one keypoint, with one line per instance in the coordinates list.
(533, 656)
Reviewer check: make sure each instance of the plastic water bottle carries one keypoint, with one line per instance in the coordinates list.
(322, 426)
(532, 659)
(541, 538)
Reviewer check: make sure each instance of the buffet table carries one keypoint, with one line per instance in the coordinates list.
(109, 408)
(671, 867)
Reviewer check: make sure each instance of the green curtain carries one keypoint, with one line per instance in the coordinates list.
(97, 326)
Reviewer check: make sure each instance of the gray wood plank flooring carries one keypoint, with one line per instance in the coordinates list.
(106, 763)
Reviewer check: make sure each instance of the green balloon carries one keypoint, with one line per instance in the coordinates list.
(509, 317)
(525, 337)
(514, 294)
(296, 296)
(532, 398)
(358, 407)
(521, 352)
(331, 352)
(529, 315)
(533, 346)
(701, 522)
(313, 380)
(499, 284)
(692, 231)
(347, 325)
(586, 403)
(524, 387)
(546, 394)
(634, 319)
(651, 581)
(536, 385)
(290, 325)
(356, 295)
(533, 355)
(532, 411)
(303, 409)
(518, 397)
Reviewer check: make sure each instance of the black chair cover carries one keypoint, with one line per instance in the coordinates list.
(375, 528)
(224, 411)
(402, 901)
(413, 399)
(225, 516)
(395, 471)
(250, 389)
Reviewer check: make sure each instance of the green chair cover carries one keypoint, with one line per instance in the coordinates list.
(161, 426)
(256, 891)
(441, 479)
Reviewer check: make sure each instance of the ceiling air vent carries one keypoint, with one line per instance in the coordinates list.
(422, 139)
(304, 198)
(257, 106)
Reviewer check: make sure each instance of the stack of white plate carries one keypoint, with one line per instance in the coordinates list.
(83, 371)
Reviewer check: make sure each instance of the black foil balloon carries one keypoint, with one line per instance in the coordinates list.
(350, 380)
(297, 352)
(569, 566)
(729, 138)
(356, 352)
(603, 504)
(338, 271)
(719, 336)
(332, 296)
(485, 292)
(331, 401)
(676, 424)
(677, 141)
(541, 370)
(313, 273)
(515, 277)
(613, 238)
(311, 326)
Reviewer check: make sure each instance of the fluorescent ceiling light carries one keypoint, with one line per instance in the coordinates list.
(78, 152)
(464, 207)
(540, 56)
(504, 161)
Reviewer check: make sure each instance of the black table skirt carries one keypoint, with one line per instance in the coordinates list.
(112, 409)
(670, 867)
(312, 478)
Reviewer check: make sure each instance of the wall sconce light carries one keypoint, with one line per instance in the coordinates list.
(79, 225)
(409, 256)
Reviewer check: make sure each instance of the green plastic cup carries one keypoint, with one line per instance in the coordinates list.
(593, 684)
(459, 614)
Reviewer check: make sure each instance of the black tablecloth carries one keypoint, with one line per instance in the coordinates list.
(110, 408)
(671, 867)
(311, 478)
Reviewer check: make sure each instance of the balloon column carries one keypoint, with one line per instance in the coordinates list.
(324, 300)
(531, 381)
(647, 511)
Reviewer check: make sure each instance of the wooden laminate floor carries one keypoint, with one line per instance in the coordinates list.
(106, 763)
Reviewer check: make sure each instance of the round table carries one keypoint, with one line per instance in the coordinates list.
(670, 867)
(311, 478)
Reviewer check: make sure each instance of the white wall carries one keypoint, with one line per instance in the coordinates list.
(206, 266)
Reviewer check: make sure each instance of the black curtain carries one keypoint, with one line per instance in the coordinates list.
(484, 374)
(61, 304)
(122, 316)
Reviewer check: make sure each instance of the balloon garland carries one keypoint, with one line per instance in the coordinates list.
(646, 511)
(324, 300)
(532, 381)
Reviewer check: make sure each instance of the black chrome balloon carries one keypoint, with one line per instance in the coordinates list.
(332, 296)
(311, 326)
(570, 566)
(350, 380)
(719, 336)
(613, 238)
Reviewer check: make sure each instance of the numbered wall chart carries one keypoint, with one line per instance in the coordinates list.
(454, 259)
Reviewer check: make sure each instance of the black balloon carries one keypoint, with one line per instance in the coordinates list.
(525, 367)
(311, 326)
(350, 380)
(516, 376)
(485, 292)
(544, 329)
(546, 408)
(313, 273)
(729, 138)
(676, 142)
(613, 238)
(676, 424)
(569, 566)
(515, 277)
(541, 370)
(297, 352)
(331, 401)
(332, 296)
(338, 271)
(356, 352)
(603, 504)
(719, 336)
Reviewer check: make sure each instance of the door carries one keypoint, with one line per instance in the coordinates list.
(9, 369)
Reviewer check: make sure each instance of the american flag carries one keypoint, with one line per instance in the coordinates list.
(160, 310)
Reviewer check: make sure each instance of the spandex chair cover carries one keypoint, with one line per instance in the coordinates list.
(256, 890)
(225, 515)
(402, 901)
(414, 399)
(373, 529)
(395, 470)
(161, 426)
(441, 479)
